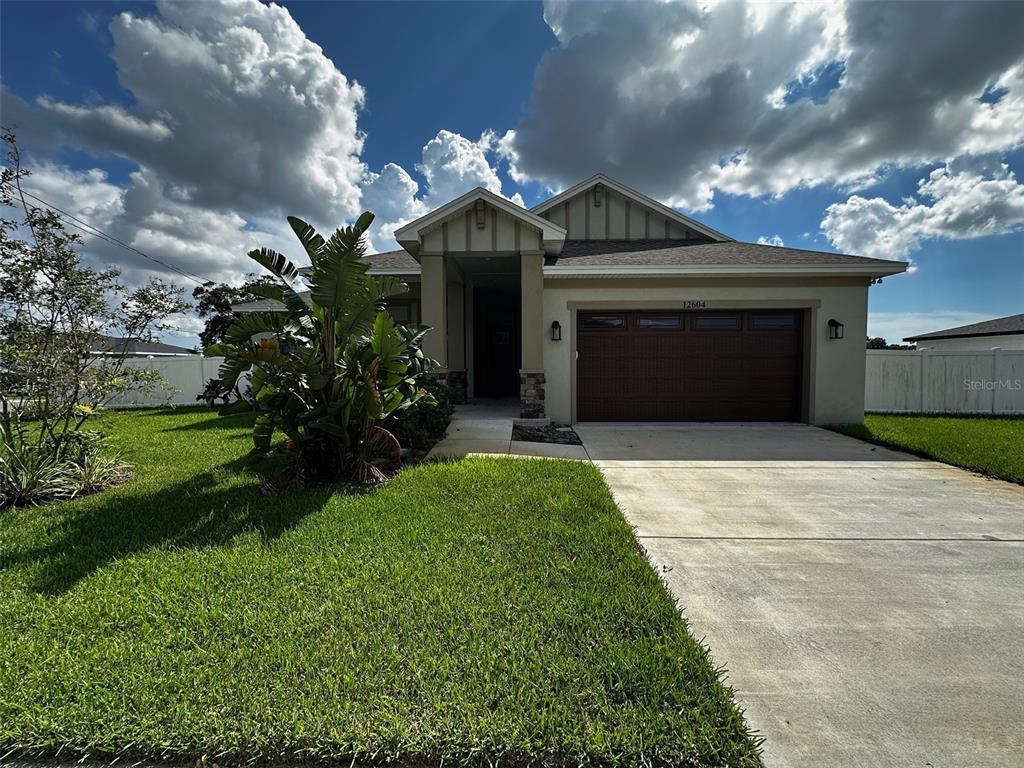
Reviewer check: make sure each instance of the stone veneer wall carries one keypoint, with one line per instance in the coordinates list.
(457, 383)
(454, 380)
(531, 396)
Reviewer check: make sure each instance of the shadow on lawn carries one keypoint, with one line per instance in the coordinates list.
(198, 512)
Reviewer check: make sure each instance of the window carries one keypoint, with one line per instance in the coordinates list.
(656, 322)
(771, 322)
(716, 322)
(603, 322)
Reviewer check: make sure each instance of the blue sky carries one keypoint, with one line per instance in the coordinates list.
(111, 136)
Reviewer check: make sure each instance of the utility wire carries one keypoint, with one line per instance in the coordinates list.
(89, 229)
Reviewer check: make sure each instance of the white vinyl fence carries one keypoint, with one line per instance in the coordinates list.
(183, 379)
(945, 382)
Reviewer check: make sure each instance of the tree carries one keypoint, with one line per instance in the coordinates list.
(877, 342)
(54, 310)
(214, 303)
(327, 373)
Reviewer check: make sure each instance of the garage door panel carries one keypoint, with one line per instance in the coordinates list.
(689, 366)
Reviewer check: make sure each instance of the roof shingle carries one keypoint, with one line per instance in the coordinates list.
(1000, 326)
(645, 253)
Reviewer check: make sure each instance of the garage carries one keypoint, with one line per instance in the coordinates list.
(721, 365)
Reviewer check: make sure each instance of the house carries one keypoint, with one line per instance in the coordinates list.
(602, 304)
(117, 346)
(1003, 332)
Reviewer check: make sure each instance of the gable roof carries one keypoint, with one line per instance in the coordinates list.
(662, 257)
(632, 194)
(409, 235)
(117, 345)
(1000, 326)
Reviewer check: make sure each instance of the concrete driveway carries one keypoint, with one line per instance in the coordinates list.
(868, 605)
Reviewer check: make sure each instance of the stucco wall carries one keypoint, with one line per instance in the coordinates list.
(976, 343)
(836, 386)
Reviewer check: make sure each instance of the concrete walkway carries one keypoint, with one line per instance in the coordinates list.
(868, 605)
(485, 427)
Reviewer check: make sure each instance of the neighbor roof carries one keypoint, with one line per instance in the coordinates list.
(114, 345)
(1000, 326)
(666, 256)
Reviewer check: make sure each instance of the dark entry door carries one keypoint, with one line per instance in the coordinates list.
(497, 347)
(689, 366)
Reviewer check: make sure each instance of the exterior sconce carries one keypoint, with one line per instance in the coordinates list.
(598, 190)
(835, 329)
(481, 214)
(556, 331)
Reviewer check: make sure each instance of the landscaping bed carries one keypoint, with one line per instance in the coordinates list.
(559, 434)
(990, 445)
(468, 612)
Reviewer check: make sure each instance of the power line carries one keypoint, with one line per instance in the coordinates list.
(89, 229)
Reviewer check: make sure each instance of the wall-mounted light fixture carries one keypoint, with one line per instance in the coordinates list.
(598, 193)
(835, 329)
(481, 214)
(556, 331)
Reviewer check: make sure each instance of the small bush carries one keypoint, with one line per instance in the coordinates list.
(33, 473)
(423, 424)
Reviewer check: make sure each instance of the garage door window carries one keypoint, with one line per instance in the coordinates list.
(716, 323)
(659, 322)
(772, 322)
(603, 322)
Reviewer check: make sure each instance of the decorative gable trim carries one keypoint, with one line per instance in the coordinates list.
(411, 235)
(632, 196)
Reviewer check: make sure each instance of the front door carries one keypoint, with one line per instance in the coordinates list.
(497, 347)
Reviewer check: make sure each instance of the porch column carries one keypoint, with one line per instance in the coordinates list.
(531, 375)
(433, 307)
(456, 316)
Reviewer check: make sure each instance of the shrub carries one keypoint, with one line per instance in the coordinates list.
(33, 472)
(58, 365)
(423, 424)
(332, 366)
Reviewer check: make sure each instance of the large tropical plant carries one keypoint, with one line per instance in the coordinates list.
(333, 365)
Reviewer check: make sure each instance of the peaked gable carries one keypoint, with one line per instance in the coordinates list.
(480, 221)
(601, 208)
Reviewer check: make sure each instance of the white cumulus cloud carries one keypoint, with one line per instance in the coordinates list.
(951, 204)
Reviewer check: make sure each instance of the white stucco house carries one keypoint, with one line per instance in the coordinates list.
(1002, 332)
(602, 304)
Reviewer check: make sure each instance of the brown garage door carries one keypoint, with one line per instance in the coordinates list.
(689, 366)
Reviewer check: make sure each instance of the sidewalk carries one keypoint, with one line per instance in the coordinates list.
(485, 427)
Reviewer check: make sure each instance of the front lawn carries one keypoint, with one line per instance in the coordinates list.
(992, 446)
(471, 612)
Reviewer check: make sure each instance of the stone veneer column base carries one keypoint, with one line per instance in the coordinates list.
(454, 380)
(531, 395)
(457, 384)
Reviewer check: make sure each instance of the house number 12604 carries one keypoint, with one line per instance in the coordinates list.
(694, 304)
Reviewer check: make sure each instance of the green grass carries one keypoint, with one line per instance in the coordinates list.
(471, 612)
(992, 446)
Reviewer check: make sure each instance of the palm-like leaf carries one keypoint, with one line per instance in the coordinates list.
(311, 241)
(276, 263)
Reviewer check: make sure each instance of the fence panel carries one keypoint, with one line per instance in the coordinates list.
(183, 379)
(926, 381)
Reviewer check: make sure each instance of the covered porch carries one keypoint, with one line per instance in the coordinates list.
(481, 290)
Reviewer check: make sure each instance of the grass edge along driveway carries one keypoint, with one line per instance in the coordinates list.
(993, 446)
(487, 610)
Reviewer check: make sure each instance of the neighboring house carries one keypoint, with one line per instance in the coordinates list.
(114, 346)
(602, 304)
(1003, 332)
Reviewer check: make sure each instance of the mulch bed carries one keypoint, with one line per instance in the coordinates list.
(562, 434)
